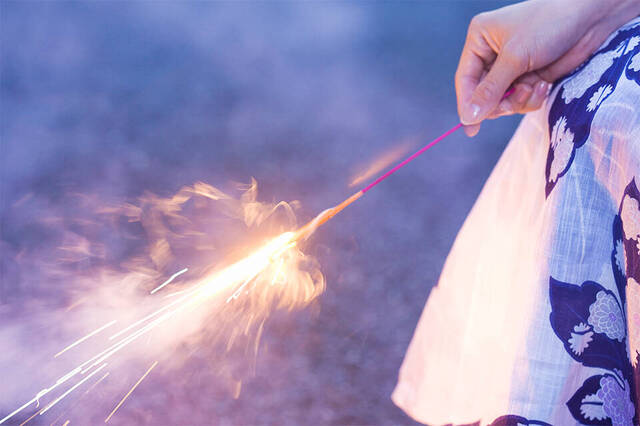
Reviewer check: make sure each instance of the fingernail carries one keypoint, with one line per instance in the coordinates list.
(522, 93)
(471, 114)
(542, 88)
(468, 132)
(472, 130)
(475, 112)
(505, 107)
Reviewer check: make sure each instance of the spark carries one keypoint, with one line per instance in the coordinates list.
(42, 393)
(151, 315)
(32, 416)
(171, 278)
(77, 342)
(66, 423)
(43, 409)
(75, 304)
(131, 390)
(58, 399)
(79, 399)
(104, 355)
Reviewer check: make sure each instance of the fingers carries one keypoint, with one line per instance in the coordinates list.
(472, 130)
(474, 60)
(529, 94)
(489, 92)
(469, 74)
(540, 93)
(514, 102)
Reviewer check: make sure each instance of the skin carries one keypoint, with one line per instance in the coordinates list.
(527, 46)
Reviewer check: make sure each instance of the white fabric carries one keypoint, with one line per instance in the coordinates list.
(485, 345)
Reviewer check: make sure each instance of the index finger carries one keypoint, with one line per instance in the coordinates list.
(476, 56)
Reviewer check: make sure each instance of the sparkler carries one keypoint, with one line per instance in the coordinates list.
(262, 269)
(308, 229)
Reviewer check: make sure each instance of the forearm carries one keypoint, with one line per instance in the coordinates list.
(615, 13)
(598, 19)
(609, 15)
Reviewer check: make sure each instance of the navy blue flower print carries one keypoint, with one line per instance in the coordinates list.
(512, 420)
(603, 399)
(581, 95)
(589, 321)
(633, 68)
(615, 400)
(627, 275)
(595, 342)
(597, 330)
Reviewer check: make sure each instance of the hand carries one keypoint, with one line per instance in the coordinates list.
(528, 45)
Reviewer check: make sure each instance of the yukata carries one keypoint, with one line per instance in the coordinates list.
(536, 317)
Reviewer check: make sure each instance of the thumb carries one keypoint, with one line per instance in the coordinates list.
(487, 95)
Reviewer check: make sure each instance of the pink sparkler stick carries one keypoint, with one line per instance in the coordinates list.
(308, 229)
(411, 157)
(419, 152)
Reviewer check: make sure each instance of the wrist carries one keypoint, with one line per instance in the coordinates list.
(611, 14)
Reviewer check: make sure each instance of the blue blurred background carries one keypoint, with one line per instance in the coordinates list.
(122, 97)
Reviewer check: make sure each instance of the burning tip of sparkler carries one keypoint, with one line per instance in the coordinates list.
(310, 227)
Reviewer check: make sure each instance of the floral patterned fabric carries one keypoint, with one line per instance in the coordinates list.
(536, 317)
